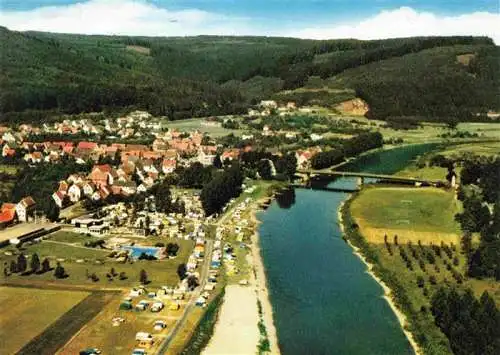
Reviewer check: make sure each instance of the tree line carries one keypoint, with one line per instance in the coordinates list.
(347, 148)
(472, 326)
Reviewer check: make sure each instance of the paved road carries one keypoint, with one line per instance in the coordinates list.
(189, 306)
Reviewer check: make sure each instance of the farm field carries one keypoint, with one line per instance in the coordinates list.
(425, 214)
(79, 262)
(21, 319)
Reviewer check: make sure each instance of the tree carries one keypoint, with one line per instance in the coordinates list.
(45, 265)
(217, 161)
(143, 277)
(59, 272)
(52, 211)
(5, 272)
(192, 282)
(181, 271)
(22, 264)
(35, 263)
(13, 267)
(172, 249)
(264, 169)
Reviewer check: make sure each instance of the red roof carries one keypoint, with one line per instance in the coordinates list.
(7, 216)
(8, 206)
(106, 168)
(87, 145)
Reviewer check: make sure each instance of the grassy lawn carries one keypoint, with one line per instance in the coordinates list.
(425, 214)
(8, 169)
(22, 319)
(78, 261)
(196, 124)
(429, 172)
(70, 237)
(484, 148)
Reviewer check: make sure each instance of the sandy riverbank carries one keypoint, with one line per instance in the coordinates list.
(262, 291)
(236, 331)
(387, 291)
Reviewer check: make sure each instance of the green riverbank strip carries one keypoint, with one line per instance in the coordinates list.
(420, 324)
(205, 328)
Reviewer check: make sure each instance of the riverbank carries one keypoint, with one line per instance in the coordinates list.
(246, 312)
(388, 296)
(261, 289)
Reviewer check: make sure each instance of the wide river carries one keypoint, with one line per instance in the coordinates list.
(323, 300)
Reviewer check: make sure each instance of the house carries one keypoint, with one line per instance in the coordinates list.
(88, 188)
(63, 187)
(268, 104)
(231, 154)
(206, 154)
(87, 146)
(34, 158)
(7, 214)
(102, 175)
(169, 165)
(58, 198)
(75, 193)
(267, 131)
(9, 149)
(315, 137)
(25, 208)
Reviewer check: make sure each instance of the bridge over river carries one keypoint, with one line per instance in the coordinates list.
(391, 178)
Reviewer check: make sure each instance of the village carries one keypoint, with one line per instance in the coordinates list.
(105, 229)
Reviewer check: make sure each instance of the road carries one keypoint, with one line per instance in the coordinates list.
(194, 296)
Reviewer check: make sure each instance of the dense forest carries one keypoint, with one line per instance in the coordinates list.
(45, 74)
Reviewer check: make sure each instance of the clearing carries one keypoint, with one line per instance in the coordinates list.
(21, 319)
(425, 214)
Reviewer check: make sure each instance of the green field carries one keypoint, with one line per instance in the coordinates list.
(196, 124)
(8, 169)
(484, 148)
(22, 318)
(425, 214)
(79, 261)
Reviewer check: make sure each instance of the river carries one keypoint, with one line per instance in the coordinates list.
(323, 300)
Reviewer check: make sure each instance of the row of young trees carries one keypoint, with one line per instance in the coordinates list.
(36, 266)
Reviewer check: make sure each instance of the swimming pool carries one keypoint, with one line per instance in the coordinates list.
(135, 252)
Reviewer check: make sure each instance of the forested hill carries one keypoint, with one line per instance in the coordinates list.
(42, 73)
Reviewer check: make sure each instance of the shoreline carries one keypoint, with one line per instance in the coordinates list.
(243, 327)
(401, 317)
(261, 288)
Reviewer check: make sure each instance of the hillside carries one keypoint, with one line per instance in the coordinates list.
(42, 73)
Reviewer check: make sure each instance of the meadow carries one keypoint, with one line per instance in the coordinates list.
(196, 124)
(21, 319)
(425, 214)
(80, 261)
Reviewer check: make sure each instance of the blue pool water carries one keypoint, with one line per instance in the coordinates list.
(135, 252)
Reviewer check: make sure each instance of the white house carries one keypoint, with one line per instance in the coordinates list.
(58, 198)
(75, 193)
(25, 208)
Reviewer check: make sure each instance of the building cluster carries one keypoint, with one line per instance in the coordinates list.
(23, 211)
